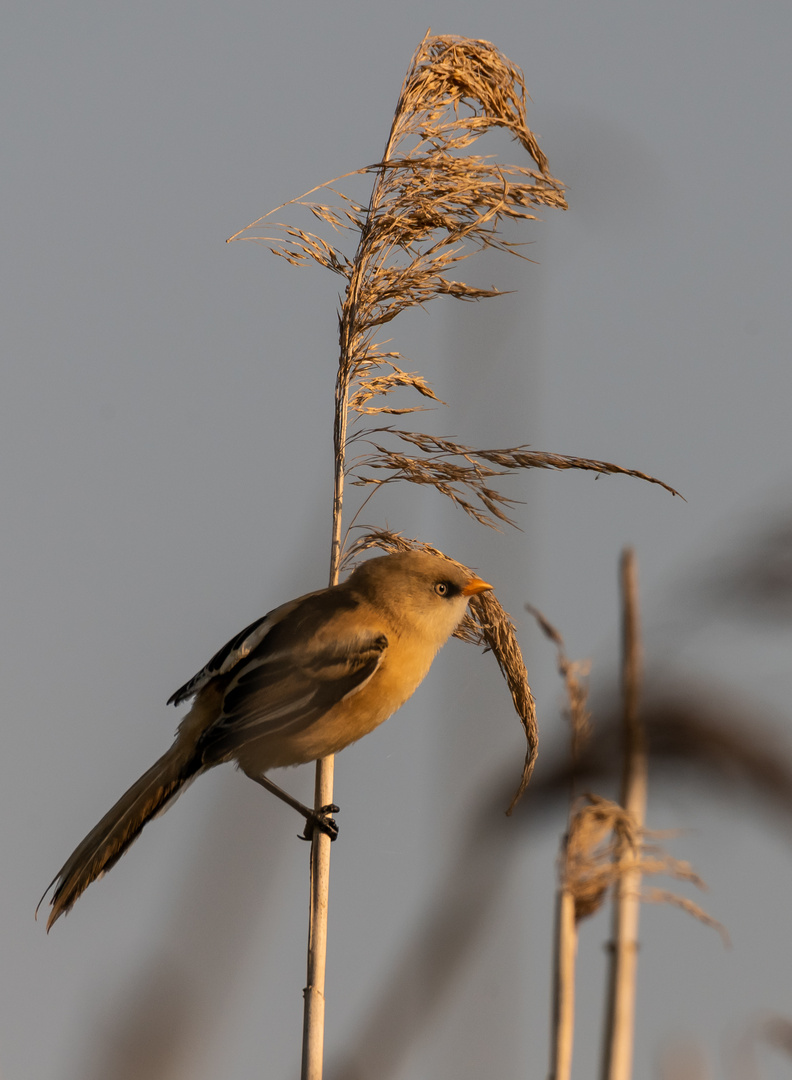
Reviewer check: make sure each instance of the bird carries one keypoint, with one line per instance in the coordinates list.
(300, 683)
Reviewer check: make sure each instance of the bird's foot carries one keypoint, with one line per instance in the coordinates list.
(323, 821)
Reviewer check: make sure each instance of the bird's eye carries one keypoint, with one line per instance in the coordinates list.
(441, 588)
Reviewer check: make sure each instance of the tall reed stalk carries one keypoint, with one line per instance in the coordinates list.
(433, 203)
(623, 967)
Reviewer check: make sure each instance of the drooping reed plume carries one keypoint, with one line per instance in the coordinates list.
(433, 203)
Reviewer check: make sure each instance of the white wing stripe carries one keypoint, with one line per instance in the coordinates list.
(247, 647)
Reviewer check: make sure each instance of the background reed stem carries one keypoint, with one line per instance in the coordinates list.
(620, 1024)
(566, 943)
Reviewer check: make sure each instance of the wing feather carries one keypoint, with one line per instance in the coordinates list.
(292, 678)
(238, 648)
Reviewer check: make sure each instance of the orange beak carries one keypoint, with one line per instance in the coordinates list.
(475, 586)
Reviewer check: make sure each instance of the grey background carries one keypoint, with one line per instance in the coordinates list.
(165, 432)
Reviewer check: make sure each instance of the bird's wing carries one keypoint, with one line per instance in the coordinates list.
(312, 659)
(236, 649)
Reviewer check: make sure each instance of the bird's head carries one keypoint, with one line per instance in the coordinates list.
(420, 592)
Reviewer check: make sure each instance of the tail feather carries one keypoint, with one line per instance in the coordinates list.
(120, 827)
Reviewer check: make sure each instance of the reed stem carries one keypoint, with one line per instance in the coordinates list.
(620, 1024)
(313, 994)
(566, 943)
(314, 1006)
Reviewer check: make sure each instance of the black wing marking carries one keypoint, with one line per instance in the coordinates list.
(280, 689)
(235, 650)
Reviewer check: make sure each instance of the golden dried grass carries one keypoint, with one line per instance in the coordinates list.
(433, 204)
(575, 674)
(604, 844)
(460, 472)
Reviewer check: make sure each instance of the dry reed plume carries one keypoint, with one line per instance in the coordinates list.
(600, 832)
(433, 204)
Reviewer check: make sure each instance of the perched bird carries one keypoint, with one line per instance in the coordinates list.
(304, 681)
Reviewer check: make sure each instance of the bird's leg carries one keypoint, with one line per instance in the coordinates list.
(314, 819)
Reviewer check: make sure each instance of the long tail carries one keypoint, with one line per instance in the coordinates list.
(106, 843)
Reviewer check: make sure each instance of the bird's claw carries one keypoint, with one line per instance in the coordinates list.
(323, 821)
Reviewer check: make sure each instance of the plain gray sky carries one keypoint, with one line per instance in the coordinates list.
(166, 413)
